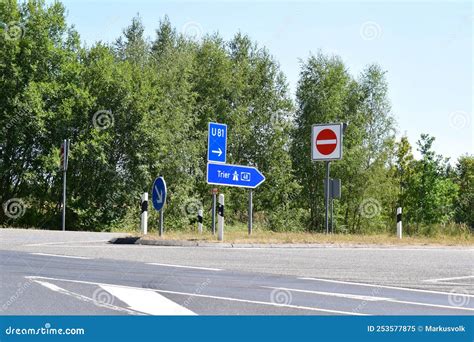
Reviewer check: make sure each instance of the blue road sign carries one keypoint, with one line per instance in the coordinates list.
(217, 142)
(234, 175)
(158, 192)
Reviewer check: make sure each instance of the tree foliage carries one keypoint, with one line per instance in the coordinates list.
(138, 108)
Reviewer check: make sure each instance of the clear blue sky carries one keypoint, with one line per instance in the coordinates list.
(425, 47)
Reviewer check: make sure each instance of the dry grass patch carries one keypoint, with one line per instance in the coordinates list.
(269, 237)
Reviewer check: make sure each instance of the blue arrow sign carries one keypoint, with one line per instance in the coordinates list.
(217, 142)
(234, 175)
(158, 192)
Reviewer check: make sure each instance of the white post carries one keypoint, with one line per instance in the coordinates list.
(220, 218)
(144, 215)
(200, 221)
(399, 222)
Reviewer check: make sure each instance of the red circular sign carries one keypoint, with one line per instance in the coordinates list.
(326, 141)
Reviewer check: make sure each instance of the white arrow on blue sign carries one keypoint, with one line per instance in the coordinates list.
(217, 142)
(234, 175)
(158, 193)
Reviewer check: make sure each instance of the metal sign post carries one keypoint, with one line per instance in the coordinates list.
(326, 145)
(64, 162)
(250, 211)
(327, 196)
(159, 198)
(219, 173)
(161, 222)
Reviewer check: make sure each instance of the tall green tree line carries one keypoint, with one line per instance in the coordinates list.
(138, 108)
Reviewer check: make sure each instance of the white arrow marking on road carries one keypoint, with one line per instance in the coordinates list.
(159, 194)
(145, 301)
(241, 300)
(219, 151)
(58, 289)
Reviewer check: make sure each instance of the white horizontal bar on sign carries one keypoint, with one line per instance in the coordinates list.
(326, 142)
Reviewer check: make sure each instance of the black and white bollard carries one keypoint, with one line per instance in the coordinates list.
(200, 221)
(399, 222)
(220, 218)
(144, 214)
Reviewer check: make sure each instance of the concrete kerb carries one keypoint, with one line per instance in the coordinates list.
(188, 243)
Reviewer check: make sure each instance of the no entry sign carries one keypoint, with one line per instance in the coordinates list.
(326, 142)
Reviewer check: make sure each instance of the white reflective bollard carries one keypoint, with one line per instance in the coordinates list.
(200, 221)
(399, 222)
(144, 215)
(220, 218)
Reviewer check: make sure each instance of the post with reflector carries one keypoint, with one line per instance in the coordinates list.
(144, 215)
(199, 221)
(220, 218)
(213, 213)
(399, 222)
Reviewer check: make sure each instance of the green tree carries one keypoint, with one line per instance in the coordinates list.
(430, 192)
(465, 181)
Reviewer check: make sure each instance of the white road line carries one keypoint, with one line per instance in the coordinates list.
(264, 303)
(369, 298)
(151, 303)
(208, 296)
(452, 278)
(181, 266)
(61, 242)
(334, 294)
(62, 256)
(58, 289)
(383, 286)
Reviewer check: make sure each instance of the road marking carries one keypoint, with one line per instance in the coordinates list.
(61, 242)
(181, 266)
(383, 286)
(62, 256)
(343, 295)
(452, 278)
(262, 303)
(58, 289)
(369, 298)
(208, 296)
(151, 303)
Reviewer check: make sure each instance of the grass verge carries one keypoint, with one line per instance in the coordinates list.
(269, 237)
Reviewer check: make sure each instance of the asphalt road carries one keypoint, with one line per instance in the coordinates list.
(76, 273)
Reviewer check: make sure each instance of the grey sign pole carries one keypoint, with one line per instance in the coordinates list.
(64, 201)
(332, 215)
(65, 156)
(250, 211)
(327, 197)
(161, 222)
